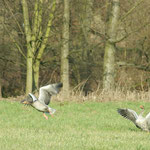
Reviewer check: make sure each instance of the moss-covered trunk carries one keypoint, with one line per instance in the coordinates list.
(109, 66)
(65, 50)
(35, 47)
(29, 79)
(29, 73)
(41, 48)
(36, 68)
(109, 56)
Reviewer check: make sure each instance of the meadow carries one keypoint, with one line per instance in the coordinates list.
(75, 126)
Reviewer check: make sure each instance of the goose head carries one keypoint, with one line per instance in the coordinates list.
(142, 107)
(29, 100)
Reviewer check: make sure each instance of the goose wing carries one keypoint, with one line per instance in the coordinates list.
(33, 97)
(129, 114)
(148, 119)
(47, 91)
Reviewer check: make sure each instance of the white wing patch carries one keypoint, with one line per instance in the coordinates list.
(33, 97)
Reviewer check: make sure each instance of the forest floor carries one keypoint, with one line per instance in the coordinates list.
(75, 126)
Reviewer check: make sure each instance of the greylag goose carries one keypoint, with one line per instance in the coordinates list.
(45, 93)
(141, 122)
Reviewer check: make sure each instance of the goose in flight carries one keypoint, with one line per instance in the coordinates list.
(41, 103)
(141, 122)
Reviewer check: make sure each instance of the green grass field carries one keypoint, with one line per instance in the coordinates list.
(75, 126)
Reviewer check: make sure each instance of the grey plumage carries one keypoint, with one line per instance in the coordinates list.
(140, 121)
(45, 93)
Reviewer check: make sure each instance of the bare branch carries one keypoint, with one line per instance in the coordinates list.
(15, 42)
(128, 34)
(141, 67)
(131, 10)
(12, 61)
(98, 33)
(45, 38)
(14, 18)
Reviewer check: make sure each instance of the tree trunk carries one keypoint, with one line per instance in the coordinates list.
(65, 50)
(109, 67)
(87, 14)
(36, 66)
(35, 49)
(109, 56)
(29, 75)
(0, 90)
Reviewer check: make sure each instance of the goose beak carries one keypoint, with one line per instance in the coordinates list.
(141, 106)
(24, 101)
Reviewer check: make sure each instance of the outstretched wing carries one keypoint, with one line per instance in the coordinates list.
(129, 114)
(47, 91)
(148, 120)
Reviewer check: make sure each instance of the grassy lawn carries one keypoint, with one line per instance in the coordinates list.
(75, 126)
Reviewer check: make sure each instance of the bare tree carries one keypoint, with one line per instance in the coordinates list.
(65, 50)
(109, 56)
(86, 20)
(112, 27)
(89, 37)
(36, 40)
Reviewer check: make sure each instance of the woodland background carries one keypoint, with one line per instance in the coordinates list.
(88, 26)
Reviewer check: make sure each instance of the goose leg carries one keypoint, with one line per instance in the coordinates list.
(50, 112)
(45, 116)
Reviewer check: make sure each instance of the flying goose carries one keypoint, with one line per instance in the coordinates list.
(138, 120)
(45, 93)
